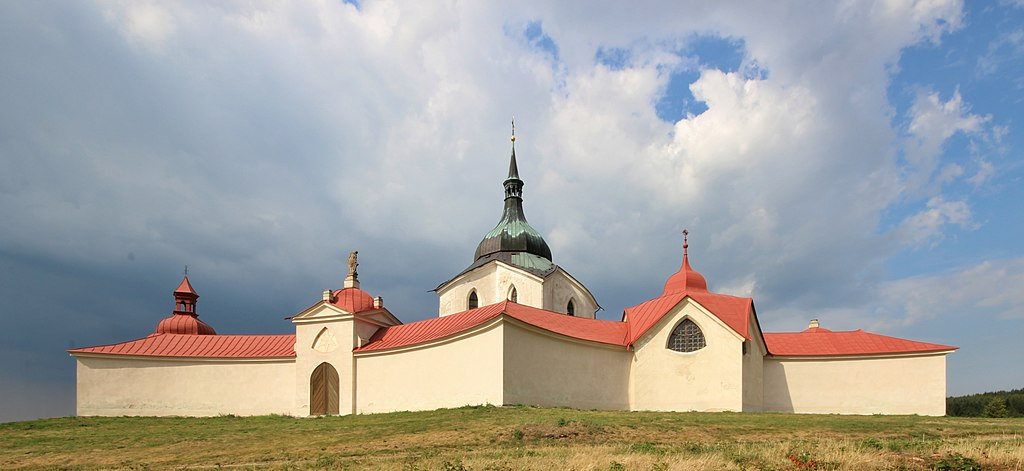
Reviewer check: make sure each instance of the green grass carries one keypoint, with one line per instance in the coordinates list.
(500, 438)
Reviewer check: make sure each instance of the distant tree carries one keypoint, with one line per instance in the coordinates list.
(973, 405)
(996, 408)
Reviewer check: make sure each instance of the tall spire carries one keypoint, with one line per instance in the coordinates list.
(513, 233)
(513, 185)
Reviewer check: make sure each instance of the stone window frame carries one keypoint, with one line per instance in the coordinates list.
(570, 308)
(513, 294)
(472, 300)
(686, 321)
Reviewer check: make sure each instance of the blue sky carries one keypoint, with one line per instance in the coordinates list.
(857, 163)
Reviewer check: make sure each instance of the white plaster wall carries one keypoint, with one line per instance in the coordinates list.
(492, 283)
(559, 289)
(909, 384)
(448, 374)
(116, 386)
(307, 359)
(544, 370)
(710, 379)
(753, 369)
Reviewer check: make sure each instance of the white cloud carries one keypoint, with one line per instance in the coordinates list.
(145, 22)
(984, 173)
(932, 123)
(927, 225)
(986, 292)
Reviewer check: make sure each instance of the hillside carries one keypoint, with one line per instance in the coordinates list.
(507, 438)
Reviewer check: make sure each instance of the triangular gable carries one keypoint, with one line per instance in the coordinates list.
(730, 310)
(320, 310)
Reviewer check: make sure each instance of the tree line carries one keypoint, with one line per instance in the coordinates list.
(989, 404)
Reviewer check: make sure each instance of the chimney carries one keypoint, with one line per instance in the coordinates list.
(327, 295)
(814, 324)
(378, 302)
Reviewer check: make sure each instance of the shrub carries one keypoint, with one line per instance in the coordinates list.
(956, 462)
(995, 408)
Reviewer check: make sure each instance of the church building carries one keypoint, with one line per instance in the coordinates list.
(512, 328)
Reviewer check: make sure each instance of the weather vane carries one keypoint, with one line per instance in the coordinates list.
(186, 270)
(686, 243)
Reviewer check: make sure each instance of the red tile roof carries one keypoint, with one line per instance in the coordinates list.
(183, 323)
(824, 342)
(733, 311)
(201, 346)
(352, 300)
(437, 328)
(686, 279)
(185, 287)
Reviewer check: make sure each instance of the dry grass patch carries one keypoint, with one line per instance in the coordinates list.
(514, 438)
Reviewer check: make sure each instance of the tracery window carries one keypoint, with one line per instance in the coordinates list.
(570, 309)
(474, 302)
(686, 337)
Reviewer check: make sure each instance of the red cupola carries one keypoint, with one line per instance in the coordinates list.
(184, 319)
(686, 279)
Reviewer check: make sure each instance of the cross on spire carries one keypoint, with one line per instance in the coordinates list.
(513, 130)
(186, 270)
(686, 244)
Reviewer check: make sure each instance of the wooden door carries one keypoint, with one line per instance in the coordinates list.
(323, 390)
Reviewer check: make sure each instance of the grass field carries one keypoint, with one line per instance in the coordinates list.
(513, 438)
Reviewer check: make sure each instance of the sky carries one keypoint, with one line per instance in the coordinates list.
(854, 162)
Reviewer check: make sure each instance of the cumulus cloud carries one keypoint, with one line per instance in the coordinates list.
(988, 292)
(932, 123)
(927, 225)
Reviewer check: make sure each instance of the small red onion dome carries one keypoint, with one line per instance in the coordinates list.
(184, 324)
(184, 319)
(352, 300)
(686, 279)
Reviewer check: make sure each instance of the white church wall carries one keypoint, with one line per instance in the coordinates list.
(454, 297)
(753, 368)
(559, 288)
(529, 287)
(899, 384)
(545, 369)
(463, 370)
(143, 386)
(709, 379)
(309, 354)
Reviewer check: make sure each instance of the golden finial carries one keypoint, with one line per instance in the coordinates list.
(513, 129)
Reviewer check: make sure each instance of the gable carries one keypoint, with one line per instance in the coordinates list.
(711, 326)
(321, 311)
(730, 310)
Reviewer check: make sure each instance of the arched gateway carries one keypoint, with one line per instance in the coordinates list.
(323, 390)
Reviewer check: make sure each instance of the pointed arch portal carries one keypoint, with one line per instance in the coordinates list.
(323, 390)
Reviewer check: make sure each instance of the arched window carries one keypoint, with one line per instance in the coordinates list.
(570, 309)
(473, 301)
(513, 295)
(686, 337)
